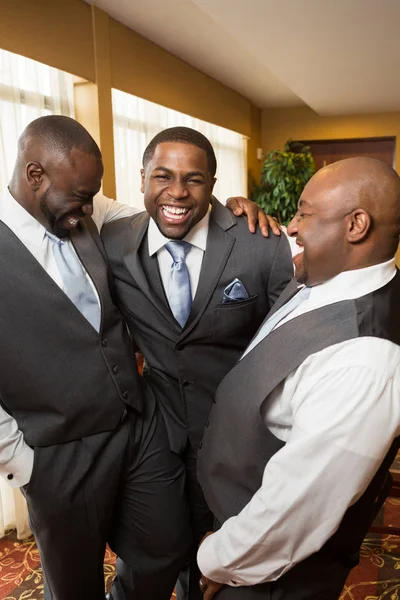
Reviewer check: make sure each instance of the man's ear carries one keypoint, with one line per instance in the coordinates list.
(359, 225)
(142, 180)
(214, 181)
(34, 175)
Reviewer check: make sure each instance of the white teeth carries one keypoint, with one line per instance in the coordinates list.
(172, 210)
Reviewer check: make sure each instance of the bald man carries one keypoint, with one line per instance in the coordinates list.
(77, 430)
(294, 463)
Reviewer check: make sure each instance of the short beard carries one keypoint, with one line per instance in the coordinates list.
(50, 217)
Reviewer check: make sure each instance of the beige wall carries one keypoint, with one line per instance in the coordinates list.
(279, 125)
(83, 40)
(55, 32)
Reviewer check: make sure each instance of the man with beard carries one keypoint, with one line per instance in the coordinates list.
(193, 285)
(77, 430)
(294, 463)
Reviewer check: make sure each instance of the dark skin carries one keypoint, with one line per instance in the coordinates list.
(348, 218)
(178, 177)
(57, 190)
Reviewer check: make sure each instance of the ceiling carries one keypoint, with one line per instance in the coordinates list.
(338, 57)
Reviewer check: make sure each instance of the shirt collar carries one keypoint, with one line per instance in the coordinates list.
(353, 284)
(197, 236)
(19, 220)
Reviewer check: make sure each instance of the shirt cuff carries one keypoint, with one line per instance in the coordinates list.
(18, 471)
(210, 566)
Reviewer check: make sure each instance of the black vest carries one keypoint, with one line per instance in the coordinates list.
(237, 444)
(61, 379)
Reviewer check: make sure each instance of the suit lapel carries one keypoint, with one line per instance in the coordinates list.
(218, 250)
(144, 268)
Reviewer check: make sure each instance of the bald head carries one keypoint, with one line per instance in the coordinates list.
(364, 182)
(57, 135)
(348, 218)
(57, 172)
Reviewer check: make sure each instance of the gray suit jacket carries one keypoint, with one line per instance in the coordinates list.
(185, 366)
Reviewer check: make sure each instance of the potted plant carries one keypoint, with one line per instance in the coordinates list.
(283, 177)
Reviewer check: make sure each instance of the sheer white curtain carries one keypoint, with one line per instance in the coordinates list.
(137, 121)
(28, 90)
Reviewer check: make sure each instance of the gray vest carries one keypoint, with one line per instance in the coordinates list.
(61, 379)
(237, 444)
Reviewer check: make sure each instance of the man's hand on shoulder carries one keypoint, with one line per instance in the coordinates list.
(255, 215)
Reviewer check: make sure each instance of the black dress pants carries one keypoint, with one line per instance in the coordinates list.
(124, 487)
(201, 521)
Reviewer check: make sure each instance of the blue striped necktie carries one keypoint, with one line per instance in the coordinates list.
(179, 293)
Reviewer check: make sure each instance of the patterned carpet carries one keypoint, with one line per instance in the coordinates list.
(376, 578)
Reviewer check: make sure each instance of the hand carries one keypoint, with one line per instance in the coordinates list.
(243, 206)
(209, 588)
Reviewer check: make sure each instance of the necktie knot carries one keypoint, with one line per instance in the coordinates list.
(304, 293)
(178, 250)
(53, 238)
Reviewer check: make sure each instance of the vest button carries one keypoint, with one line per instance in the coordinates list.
(125, 395)
(185, 383)
(10, 476)
(200, 445)
(115, 369)
(180, 347)
(104, 343)
(208, 423)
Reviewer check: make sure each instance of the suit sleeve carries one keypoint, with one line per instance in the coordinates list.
(281, 270)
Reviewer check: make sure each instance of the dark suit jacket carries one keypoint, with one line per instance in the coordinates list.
(185, 366)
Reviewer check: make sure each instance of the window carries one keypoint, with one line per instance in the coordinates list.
(137, 121)
(28, 90)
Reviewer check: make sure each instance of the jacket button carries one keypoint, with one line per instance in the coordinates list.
(208, 423)
(200, 445)
(125, 395)
(180, 347)
(10, 476)
(104, 343)
(185, 383)
(115, 369)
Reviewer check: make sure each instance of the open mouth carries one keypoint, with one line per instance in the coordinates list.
(175, 214)
(71, 221)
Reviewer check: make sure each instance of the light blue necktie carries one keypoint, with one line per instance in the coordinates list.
(76, 284)
(179, 293)
(280, 314)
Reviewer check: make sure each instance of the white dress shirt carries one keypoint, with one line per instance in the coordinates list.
(16, 457)
(197, 237)
(338, 413)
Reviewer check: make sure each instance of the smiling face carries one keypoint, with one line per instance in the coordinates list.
(320, 227)
(177, 187)
(65, 194)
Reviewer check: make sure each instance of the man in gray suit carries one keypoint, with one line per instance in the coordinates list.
(78, 431)
(295, 461)
(193, 285)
